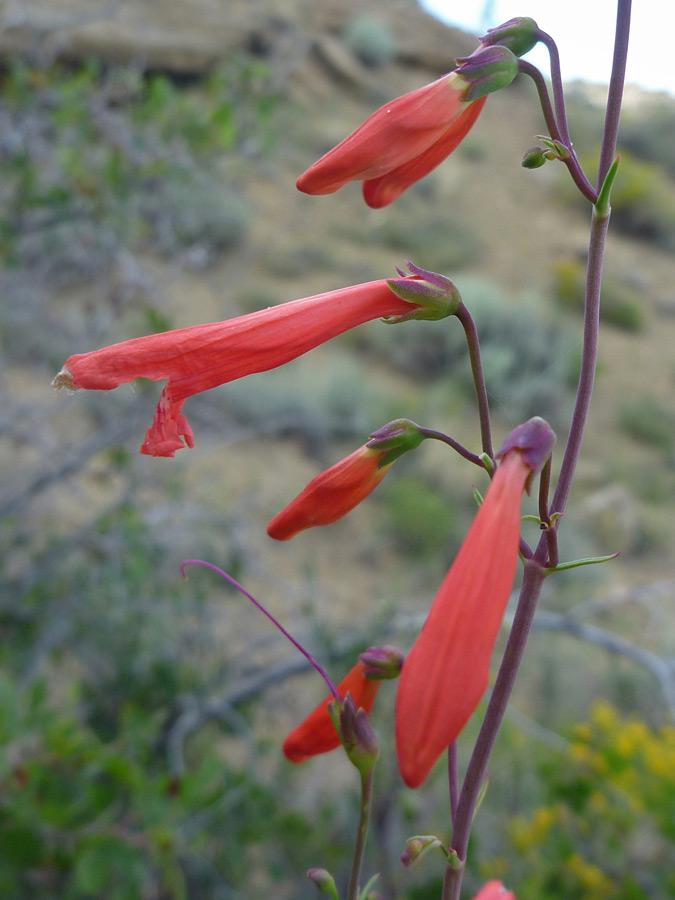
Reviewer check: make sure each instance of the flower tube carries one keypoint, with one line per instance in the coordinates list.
(201, 357)
(447, 670)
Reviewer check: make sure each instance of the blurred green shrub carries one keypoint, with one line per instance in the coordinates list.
(619, 303)
(648, 131)
(440, 244)
(126, 157)
(528, 356)
(422, 520)
(643, 199)
(605, 830)
(370, 40)
(647, 420)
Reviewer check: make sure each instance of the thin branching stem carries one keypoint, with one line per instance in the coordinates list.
(571, 160)
(361, 834)
(469, 327)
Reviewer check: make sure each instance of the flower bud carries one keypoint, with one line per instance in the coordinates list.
(534, 438)
(486, 71)
(417, 846)
(535, 157)
(382, 663)
(519, 35)
(324, 881)
(358, 737)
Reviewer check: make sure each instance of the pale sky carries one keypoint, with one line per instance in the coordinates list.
(584, 33)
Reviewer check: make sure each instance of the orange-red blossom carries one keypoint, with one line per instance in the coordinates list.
(201, 357)
(332, 494)
(398, 144)
(446, 672)
(317, 734)
(494, 890)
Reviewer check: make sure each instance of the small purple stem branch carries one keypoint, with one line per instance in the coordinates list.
(572, 162)
(451, 442)
(361, 834)
(469, 327)
(549, 531)
(615, 93)
(557, 84)
(533, 579)
(453, 781)
(235, 584)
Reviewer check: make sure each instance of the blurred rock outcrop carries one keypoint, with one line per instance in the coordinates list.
(192, 36)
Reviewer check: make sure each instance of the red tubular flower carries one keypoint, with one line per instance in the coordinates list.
(494, 890)
(446, 672)
(317, 734)
(398, 144)
(332, 494)
(204, 356)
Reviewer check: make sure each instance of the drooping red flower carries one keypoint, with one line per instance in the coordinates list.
(494, 890)
(446, 672)
(201, 357)
(316, 734)
(398, 144)
(332, 494)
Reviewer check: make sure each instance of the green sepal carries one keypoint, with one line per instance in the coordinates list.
(489, 465)
(577, 563)
(520, 35)
(602, 207)
(364, 893)
(454, 861)
(556, 148)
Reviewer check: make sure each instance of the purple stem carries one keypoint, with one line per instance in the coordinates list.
(596, 251)
(557, 84)
(534, 571)
(451, 442)
(235, 584)
(361, 834)
(469, 327)
(572, 161)
(453, 781)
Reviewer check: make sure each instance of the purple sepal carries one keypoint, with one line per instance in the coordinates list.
(534, 438)
(382, 662)
(486, 71)
(519, 35)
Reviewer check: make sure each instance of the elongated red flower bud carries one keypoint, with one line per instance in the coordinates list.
(446, 672)
(332, 494)
(317, 733)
